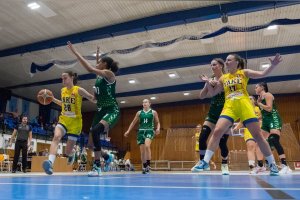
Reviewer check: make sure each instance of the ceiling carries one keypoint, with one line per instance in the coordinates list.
(33, 51)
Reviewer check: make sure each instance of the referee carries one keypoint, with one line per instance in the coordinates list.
(23, 133)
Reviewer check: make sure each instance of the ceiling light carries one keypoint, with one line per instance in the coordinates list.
(122, 101)
(152, 98)
(173, 75)
(94, 54)
(264, 66)
(273, 27)
(271, 30)
(33, 5)
(132, 81)
(186, 93)
(43, 9)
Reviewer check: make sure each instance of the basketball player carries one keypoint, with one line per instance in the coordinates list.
(70, 120)
(252, 148)
(271, 122)
(108, 112)
(146, 133)
(196, 138)
(238, 106)
(216, 106)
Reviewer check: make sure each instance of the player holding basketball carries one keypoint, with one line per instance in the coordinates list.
(108, 112)
(238, 106)
(70, 120)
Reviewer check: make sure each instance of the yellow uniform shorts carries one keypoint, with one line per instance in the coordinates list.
(247, 135)
(73, 126)
(242, 109)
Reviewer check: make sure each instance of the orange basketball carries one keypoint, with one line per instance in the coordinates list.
(44, 97)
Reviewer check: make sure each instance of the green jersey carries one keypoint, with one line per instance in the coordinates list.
(270, 120)
(216, 107)
(218, 101)
(146, 120)
(105, 93)
(274, 112)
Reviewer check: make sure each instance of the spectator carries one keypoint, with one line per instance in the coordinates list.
(46, 152)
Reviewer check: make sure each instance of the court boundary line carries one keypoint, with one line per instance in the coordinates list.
(149, 186)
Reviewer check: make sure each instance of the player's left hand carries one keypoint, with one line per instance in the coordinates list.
(71, 47)
(276, 60)
(204, 78)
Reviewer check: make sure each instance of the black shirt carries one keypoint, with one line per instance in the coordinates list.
(23, 132)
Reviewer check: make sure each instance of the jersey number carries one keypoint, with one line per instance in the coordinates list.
(97, 90)
(232, 88)
(67, 107)
(145, 121)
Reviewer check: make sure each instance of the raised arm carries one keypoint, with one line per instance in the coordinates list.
(136, 118)
(259, 74)
(157, 131)
(97, 55)
(82, 92)
(109, 75)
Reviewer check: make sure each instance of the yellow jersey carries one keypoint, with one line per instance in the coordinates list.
(237, 102)
(71, 102)
(71, 117)
(257, 112)
(235, 85)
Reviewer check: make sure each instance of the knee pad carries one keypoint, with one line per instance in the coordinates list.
(270, 144)
(96, 131)
(274, 139)
(98, 128)
(205, 131)
(223, 146)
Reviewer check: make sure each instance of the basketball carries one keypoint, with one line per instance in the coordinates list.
(44, 97)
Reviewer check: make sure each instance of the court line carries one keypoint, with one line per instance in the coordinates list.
(275, 194)
(148, 186)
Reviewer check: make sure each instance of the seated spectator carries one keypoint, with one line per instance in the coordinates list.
(29, 156)
(41, 121)
(34, 121)
(45, 152)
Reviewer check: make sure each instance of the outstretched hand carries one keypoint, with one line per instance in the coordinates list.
(276, 60)
(204, 78)
(71, 47)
